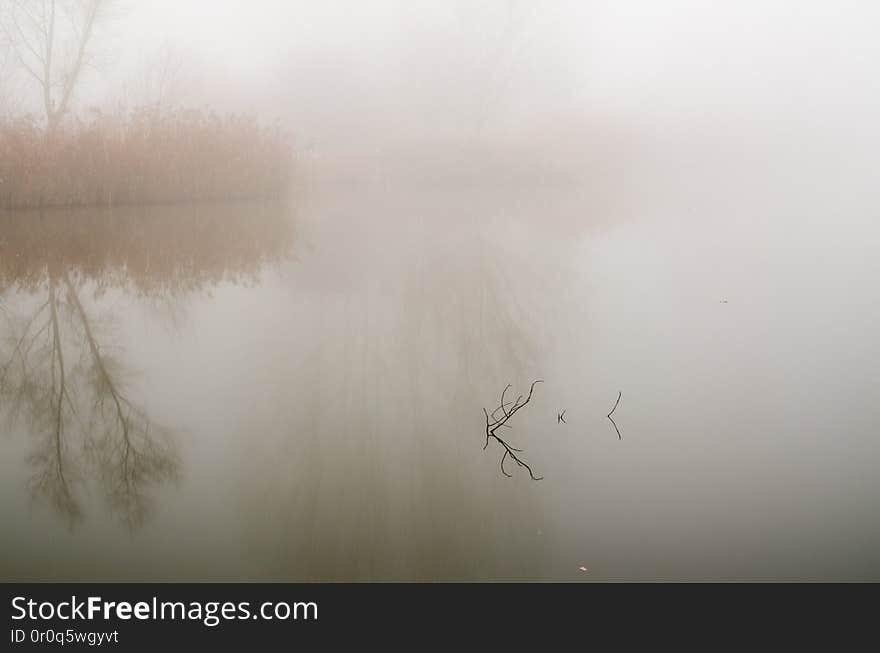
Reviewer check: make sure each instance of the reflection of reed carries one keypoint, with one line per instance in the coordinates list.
(153, 251)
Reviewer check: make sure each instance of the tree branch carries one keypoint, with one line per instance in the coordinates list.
(493, 426)
(619, 395)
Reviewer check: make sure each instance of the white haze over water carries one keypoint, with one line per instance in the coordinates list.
(676, 200)
(671, 59)
(393, 86)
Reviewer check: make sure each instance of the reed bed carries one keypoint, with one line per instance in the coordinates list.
(142, 156)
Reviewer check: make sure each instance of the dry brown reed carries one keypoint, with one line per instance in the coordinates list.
(141, 157)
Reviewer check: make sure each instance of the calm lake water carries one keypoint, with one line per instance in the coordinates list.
(262, 392)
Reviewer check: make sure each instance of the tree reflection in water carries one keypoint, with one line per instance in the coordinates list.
(61, 376)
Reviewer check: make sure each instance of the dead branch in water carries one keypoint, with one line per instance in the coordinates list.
(493, 423)
(619, 395)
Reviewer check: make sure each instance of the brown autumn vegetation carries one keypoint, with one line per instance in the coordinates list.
(140, 157)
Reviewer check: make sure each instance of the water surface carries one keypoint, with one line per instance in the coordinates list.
(262, 392)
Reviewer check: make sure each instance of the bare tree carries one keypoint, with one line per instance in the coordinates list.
(8, 94)
(51, 40)
(502, 30)
(161, 80)
(133, 452)
(57, 377)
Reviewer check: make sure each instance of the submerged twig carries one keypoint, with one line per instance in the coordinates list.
(493, 423)
(619, 395)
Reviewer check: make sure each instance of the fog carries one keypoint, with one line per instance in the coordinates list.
(672, 202)
(542, 88)
(547, 83)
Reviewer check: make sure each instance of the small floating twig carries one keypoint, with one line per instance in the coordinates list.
(619, 395)
(508, 410)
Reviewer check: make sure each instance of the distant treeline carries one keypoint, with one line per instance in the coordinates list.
(140, 157)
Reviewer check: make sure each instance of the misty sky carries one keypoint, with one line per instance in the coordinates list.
(672, 199)
(385, 71)
(622, 53)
